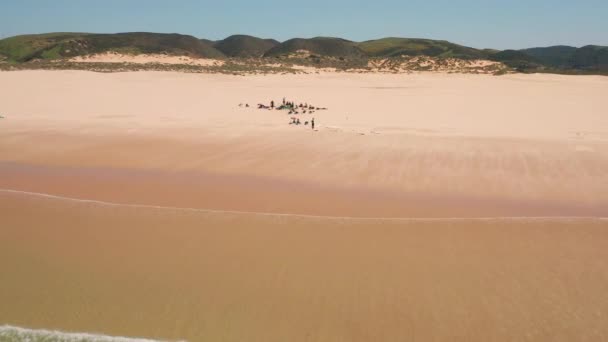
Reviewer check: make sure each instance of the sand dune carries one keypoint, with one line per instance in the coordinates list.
(113, 57)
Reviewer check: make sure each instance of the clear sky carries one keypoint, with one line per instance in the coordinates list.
(499, 24)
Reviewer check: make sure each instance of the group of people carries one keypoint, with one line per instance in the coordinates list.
(296, 121)
(293, 108)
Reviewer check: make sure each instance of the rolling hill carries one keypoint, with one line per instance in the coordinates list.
(59, 45)
(245, 46)
(50, 46)
(586, 58)
(555, 56)
(208, 41)
(395, 47)
(321, 46)
(591, 57)
(517, 60)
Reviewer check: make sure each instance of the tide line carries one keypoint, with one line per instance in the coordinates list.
(268, 214)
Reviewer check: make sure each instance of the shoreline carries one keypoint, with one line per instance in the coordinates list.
(230, 193)
(306, 216)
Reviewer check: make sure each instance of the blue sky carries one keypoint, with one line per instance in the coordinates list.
(482, 24)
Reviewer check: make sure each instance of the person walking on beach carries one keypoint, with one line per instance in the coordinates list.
(312, 124)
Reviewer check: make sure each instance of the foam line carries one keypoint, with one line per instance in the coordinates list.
(12, 333)
(234, 212)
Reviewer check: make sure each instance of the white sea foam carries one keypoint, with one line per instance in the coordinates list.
(11, 333)
(213, 211)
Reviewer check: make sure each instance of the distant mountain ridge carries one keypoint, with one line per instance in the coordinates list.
(51, 46)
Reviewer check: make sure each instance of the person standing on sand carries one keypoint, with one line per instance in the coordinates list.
(312, 124)
(271, 104)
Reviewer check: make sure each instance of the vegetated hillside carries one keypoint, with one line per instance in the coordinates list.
(59, 45)
(394, 47)
(517, 60)
(555, 56)
(208, 41)
(25, 47)
(245, 46)
(321, 46)
(591, 58)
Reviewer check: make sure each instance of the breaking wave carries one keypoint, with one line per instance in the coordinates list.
(10, 333)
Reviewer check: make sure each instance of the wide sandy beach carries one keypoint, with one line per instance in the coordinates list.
(435, 207)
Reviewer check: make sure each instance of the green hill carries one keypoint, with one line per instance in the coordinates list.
(591, 58)
(208, 41)
(321, 46)
(555, 56)
(588, 58)
(245, 46)
(395, 47)
(517, 60)
(25, 47)
(58, 45)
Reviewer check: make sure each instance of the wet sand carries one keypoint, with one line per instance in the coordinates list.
(175, 274)
(507, 176)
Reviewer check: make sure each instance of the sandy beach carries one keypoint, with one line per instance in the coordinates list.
(425, 145)
(424, 206)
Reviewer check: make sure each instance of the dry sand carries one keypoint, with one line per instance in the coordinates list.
(456, 147)
(423, 145)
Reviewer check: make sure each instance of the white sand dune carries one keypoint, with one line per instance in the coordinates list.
(114, 57)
